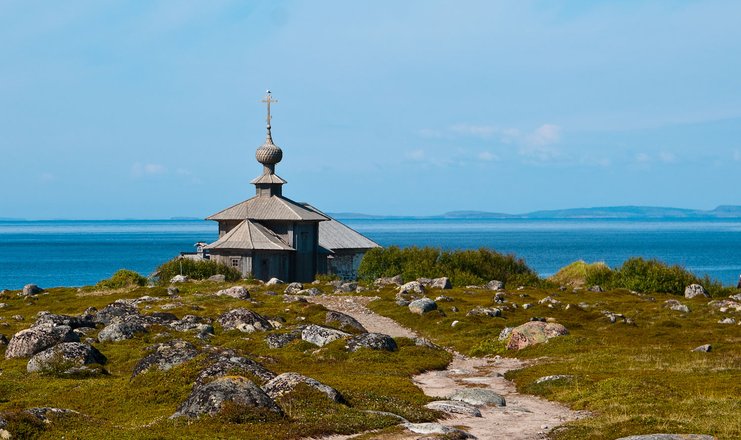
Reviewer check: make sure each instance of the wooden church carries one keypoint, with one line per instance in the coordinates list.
(271, 236)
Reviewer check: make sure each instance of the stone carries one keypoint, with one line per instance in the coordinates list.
(437, 428)
(673, 304)
(554, 378)
(441, 283)
(18, 317)
(424, 342)
(346, 287)
(66, 355)
(549, 300)
(34, 340)
(285, 383)
(374, 341)
(294, 299)
(244, 320)
(668, 437)
(208, 399)
(122, 328)
(500, 298)
(344, 321)
(237, 292)
(422, 306)
(443, 298)
(190, 322)
(484, 311)
(703, 348)
(402, 302)
(172, 291)
(179, 279)
(159, 318)
(494, 285)
(117, 309)
(596, 289)
(72, 321)
(165, 356)
(694, 290)
(454, 407)
(218, 278)
(412, 287)
(293, 288)
(388, 281)
(3, 340)
(478, 397)
(505, 333)
(273, 281)
(312, 291)
(321, 336)
(534, 332)
(43, 413)
(31, 289)
(727, 321)
(227, 363)
(527, 306)
(280, 340)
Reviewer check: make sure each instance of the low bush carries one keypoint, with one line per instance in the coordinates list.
(652, 276)
(122, 278)
(195, 269)
(580, 274)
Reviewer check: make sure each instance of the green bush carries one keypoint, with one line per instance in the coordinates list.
(462, 267)
(580, 274)
(122, 278)
(195, 269)
(652, 276)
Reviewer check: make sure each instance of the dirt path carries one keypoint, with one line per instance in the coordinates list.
(524, 417)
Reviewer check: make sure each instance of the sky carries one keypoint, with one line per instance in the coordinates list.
(151, 109)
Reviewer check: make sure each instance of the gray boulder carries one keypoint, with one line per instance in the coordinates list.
(422, 306)
(68, 355)
(311, 291)
(208, 399)
(72, 321)
(703, 348)
(172, 291)
(374, 341)
(553, 378)
(321, 336)
(494, 285)
(190, 322)
(122, 328)
(441, 283)
(596, 289)
(179, 279)
(31, 289)
(273, 281)
(478, 397)
(437, 428)
(165, 356)
(34, 340)
(285, 383)
(694, 290)
(117, 309)
(244, 320)
(673, 304)
(412, 287)
(238, 292)
(505, 333)
(218, 278)
(228, 363)
(344, 322)
(534, 332)
(46, 414)
(668, 437)
(454, 407)
(3, 340)
(280, 340)
(388, 281)
(484, 311)
(293, 288)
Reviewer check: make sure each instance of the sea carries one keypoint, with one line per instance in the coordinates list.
(80, 252)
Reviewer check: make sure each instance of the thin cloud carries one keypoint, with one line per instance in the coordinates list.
(488, 156)
(147, 169)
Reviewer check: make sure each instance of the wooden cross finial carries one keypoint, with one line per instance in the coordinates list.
(269, 99)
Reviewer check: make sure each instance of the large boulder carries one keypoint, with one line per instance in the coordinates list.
(122, 328)
(441, 283)
(114, 310)
(165, 356)
(67, 357)
(72, 321)
(228, 363)
(534, 332)
(238, 292)
(321, 336)
(273, 281)
(478, 397)
(494, 285)
(484, 311)
(34, 340)
(673, 304)
(193, 323)
(280, 340)
(422, 306)
(694, 290)
(412, 287)
(218, 278)
(388, 281)
(285, 383)
(454, 407)
(209, 399)
(374, 341)
(244, 320)
(293, 288)
(31, 289)
(179, 279)
(344, 322)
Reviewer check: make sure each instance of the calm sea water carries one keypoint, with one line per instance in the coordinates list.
(75, 253)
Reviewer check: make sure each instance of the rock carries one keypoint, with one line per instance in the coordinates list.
(31, 289)
(673, 304)
(494, 285)
(179, 279)
(280, 340)
(694, 290)
(454, 407)
(727, 321)
(122, 328)
(244, 320)
(668, 437)
(424, 342)
(67, 356)
(43, 413)
(389, 281)
(549, 300)
(441, 283)
(172, 291)
(159, 318)
(72, 321)
(116, 309)
(554, 378)
(210, 398)
(3, 340)
(273, 282)
(345, 322)
(321, 336)
(238, 292)
(228, 363)
(478, 397)
(34, 340)
(500, 298)
(18, 317)
(596, 289)
(312, 291)
(166, 356)
(483, 311)
(422, 306)
(402, 302)
(293, 288)
(285, 383)
(526, 306)
(412, 287)
(374, 341)
(504, 334)
(189, 322)
(345, 287)
(703, 348)
(454, 323)
(294, 299)
(443, 298)
(437, 428)
(218, 278)
(534, 332)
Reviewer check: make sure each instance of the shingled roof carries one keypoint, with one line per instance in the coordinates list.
(269, 208)
(335, 235)
(250, 235)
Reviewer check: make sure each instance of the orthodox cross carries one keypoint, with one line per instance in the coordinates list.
(269, 99)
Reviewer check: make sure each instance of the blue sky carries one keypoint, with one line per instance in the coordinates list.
(150, 109)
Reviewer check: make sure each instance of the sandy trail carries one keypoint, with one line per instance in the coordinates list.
(524, 417)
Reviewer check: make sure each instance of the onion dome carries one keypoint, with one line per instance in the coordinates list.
(269, 153)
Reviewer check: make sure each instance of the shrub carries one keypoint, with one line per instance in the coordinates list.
(653, 276)
(579, 274)
(195, 269)
(122, 278)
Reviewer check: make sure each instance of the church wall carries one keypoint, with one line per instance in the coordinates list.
(345, 263)
(306, 242)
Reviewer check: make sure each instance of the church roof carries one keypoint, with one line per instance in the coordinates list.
(269, 208)
(335, 235)
(268, 178)
(250, 235)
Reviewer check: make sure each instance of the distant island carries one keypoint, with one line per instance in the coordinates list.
(607, 212)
